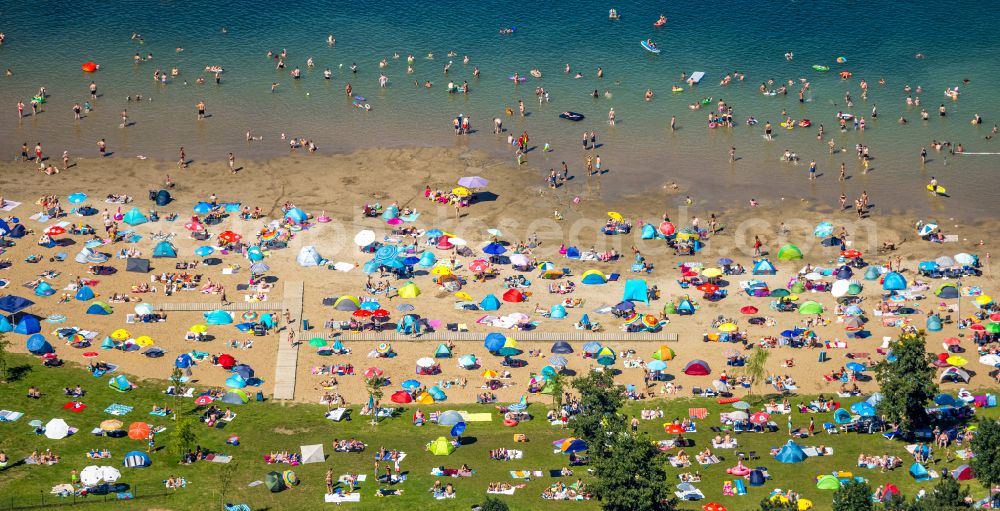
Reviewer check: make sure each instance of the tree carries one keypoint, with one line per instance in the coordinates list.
(184, 436)
(986, 447)
(4, 346)
(630, 476)
(557, 383)
(226, 475)
(756, 366)
(907, 384)
(374, 386)
(600, 400)
(853, 496)
(492, 504)
(897, 502)
(176, 377)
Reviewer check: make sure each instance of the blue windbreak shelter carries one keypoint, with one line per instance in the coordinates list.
(636, 291)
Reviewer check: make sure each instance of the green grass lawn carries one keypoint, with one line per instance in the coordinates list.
(267, 427)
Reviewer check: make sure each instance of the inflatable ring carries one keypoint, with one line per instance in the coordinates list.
(249, 315)
(295, 228)
(509, 423)
(89, 67)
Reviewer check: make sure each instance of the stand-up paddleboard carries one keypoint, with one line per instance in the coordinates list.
(651, 49)
(940, 190)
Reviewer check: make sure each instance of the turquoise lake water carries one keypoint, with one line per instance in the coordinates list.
(48, 40)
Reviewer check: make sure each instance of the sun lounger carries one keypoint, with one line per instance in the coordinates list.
(10, 416)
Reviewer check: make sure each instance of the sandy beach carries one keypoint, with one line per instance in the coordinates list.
(339, 186)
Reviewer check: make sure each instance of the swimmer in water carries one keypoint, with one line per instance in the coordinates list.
(331, 40)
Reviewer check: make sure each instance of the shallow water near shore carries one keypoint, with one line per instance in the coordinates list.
(640, 152)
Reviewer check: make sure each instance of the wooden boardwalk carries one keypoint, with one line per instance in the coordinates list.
(204, 306)
(519, 336)
(286, 366)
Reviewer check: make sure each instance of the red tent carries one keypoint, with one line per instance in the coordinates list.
(513, 295)
(890, 489)
(402, 397)
(226, 361)
(697, 368)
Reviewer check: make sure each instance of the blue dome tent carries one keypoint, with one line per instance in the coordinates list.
(163, 198)
(99, 309)
(557, 312)
(236, 382)
(5, 325)
(28, 325)
(764, 267)
(685, 308)
(44, 289)
(934, 324)
(218, 317)
(134, 217)
(893, 281)
(561, 348)
(85, 293)
(427, 259)
(489, 303)
(872, 273)
(648, 232)
(164, 249)
(790, 453)
(255, 254)
(296, 216)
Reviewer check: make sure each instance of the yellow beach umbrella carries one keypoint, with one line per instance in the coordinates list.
(121, 334)
(461, 191)
(727, 327)
(616, 216)
(956, 361)
(711, 272)
(144, 341)
(462, 295)
(984, 300)
(441, 271)
(199, 328)
(489, 374)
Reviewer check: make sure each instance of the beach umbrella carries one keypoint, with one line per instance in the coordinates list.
(76, 198)
(121, 334)
(202, 207)
(138, 431)
(372, 372)
(362, 313)
(509, 348)
(489, 374)
(780, 293)
(110, 474)
(204, 251)
(473, 182)
(461, 191)
(90, 354)
(730, 353)
(863, 409)
(386, 253)
(984, 300)
(494, 249)
(364, 238)
(713, 506)
(855, 367)
(55, 230)
(479, 266)
(383, 347)
(711, 273)
(952, 341)
(657, 365)
(317, 342)
(945, 262)
(728, 327)
(194, 226)
(494, 232)
(204, 400)
(741, 405)
(441, 271)
(394, 221)
(111, 425)
(410, 384)
(558, 360)
(760, 417)
(978, 327)
(91, 475)
(708, 288)
(990, 360)
(616, 216)
(144, 341)
(956, 360)
(592, 347)
(468, 360)
(230, 236)
(993, 328)
(425, 362)
(749, 309)
(850, 253)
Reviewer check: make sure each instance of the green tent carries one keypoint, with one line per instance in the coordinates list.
(670, 308)
(441, 447)
(811, 307)
(789, 253)
(854, 289)
(274, 482)
(442, 351)
(798, 287)
(828, 482)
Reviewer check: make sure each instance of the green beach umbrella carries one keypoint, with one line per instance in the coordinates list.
(317, 342)
(993, 328)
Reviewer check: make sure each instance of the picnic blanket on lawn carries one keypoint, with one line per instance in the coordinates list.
(476, 417)
(697, 413)
(10, 416)
(525, 474)
(218, 458)
(118, 410)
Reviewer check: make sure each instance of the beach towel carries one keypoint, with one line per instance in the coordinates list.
(10, 416)
(337, 498)
(218, 458)
(476, 417)
(359, 479)
(812, 451)
(697, 413)
(524, 474)
(9, 205)
(118, 410)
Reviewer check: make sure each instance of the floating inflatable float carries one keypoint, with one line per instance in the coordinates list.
(820, 68)
(536, 73)
(940, 190)
(572, 116)
(660, 22)
(696, 77)
(649, 48)
(676, 89)
(519, 78)
(89, 67)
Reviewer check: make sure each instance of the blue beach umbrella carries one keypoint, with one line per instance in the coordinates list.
(863, 409)
(494, 341)
(494, 249)
(411, 384)
(657, 365)
(202, 207)
(458, 429)
(558, 360)
(434, 233)
(77, 198)
(855, 367)
(204, 251)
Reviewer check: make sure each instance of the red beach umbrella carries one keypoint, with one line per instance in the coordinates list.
(708, 288)
(203, 400)
(759, 418)
(230, 237)
(194, 226)
(361, 313)
(55, 230)
(371, 372)
(90, 354)
(851, 253)
(749, 309)
(380, 313)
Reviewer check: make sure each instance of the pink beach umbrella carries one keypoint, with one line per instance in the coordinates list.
(372, 372)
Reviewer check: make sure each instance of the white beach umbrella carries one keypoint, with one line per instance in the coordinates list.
(91, 475)
(110, 474)
(56, 429)
(364, 238)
